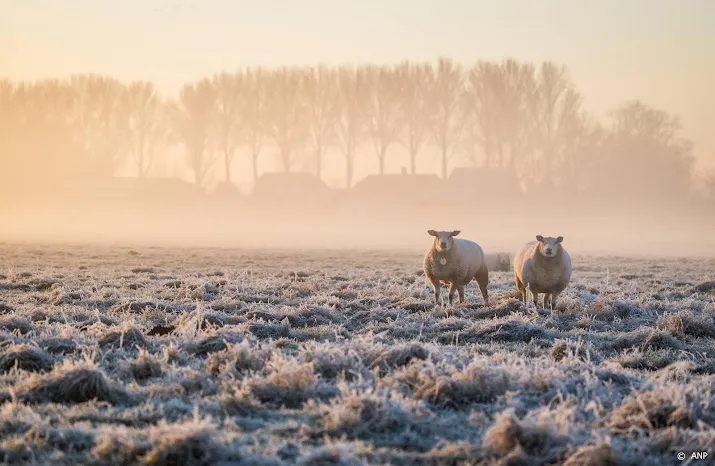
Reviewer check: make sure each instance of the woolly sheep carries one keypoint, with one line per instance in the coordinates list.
(498, 262)
(545, 267)
(455, 262)
(503, 262)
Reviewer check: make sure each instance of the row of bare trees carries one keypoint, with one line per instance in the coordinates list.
(506, 114)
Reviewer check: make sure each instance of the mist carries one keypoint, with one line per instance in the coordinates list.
(338, 151)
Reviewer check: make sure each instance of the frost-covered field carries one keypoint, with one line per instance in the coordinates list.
(207, 356)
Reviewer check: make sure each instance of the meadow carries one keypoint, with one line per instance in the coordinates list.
(148, 355)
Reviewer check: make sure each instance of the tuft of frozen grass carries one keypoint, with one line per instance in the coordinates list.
(25, 357)
(70, 383)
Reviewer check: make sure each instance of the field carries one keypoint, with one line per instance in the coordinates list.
(113, 355)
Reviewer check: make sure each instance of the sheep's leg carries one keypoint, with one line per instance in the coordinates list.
(482, 278)
(547, 301)
(520, 288)
(452, 289)
(437, 288)
(535, 295)
(460, 291)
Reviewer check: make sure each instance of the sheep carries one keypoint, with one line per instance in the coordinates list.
(498, 262)
(545, 267)
(455, 262)
(503, 262)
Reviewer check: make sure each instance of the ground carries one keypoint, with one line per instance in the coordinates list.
(113, 355)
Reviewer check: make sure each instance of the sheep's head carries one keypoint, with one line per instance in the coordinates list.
(549, 246)
(443, 240)
(503, 259)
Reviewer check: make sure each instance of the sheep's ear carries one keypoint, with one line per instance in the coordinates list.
(559, 239)
(455, 232)
(432, 232)
(539, 238)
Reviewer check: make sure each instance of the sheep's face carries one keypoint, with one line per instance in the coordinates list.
(503, 259)
(549, 246)
(443, 240)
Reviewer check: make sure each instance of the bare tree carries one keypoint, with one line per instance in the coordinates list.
(351, 121)
(99, 117)
(47, 149)
(383, 117)
(320, 88)
(9, 124)
(482, 112)
(556, 112)
(286, 114)
(253, 111)
(498, 98)
(636, 119)
(587, 148)
(229, 89)
(415, 81)
(8, 115)
(644, 157)
(448, 120)
(193, 118)
(146, 124)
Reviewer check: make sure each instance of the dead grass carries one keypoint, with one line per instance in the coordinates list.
(214, 356)
(523, 441)
(127, 337)
(145, 366)
(25, 357)
(476, 383)
(289, 383)
(77, 385)
(15, 324)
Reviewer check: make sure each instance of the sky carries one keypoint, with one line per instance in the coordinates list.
(660, 51)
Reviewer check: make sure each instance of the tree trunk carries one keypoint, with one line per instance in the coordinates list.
(141, 162)
(348, 171)
(381, 162)
(227, 166)
(444, 162)
(254, 166)
(285, 158)
(318, 163)
(413, 161)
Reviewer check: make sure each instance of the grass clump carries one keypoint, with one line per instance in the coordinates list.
(525, 441)
(76, 385)
(238, 359)
(477, 383)
(290, 383)
(380, 417)
(192, 443)
(58, 345)
(127, 337)
(15, 324)
(687, 323)
(25, 357)
(145, 366)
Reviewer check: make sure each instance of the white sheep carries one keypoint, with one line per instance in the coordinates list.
(544, 266)
(455, 262)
